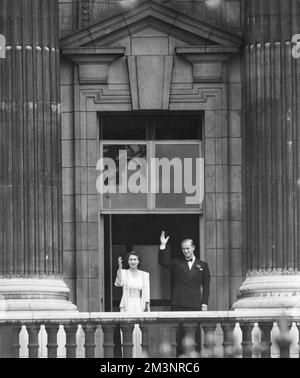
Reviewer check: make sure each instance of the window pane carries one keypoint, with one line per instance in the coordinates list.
(178, 127)
(179, 176)
(124, 128)
(126, 182)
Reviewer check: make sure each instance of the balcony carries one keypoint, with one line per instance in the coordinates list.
(224, 334)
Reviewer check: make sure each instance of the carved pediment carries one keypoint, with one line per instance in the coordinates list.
(151, 16)
(151, 37)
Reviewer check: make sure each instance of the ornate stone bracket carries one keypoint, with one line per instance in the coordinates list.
(93, 63)
(207, 61)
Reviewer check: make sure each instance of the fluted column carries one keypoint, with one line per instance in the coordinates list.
(271, 155)
(30, 158)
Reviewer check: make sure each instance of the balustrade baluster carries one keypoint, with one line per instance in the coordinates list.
(71, 345)
(172, 337)
(298, 327)
(108, 342)
(127, 345)
(284, 340)
(209, 344)
(228, 339)
(89, 345)
(144, 330)
(247, 343)
(248, 325)
(16, 342)
(189, 340)
(266, 343)
(33, 340)
(52, 345)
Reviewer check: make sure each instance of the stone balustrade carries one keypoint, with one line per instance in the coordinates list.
(225, 334)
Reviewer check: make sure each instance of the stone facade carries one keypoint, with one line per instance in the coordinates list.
(226, 58)
(129, 61)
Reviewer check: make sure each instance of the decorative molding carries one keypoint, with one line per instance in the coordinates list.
(272, 272)
(105, 95)
(115, 96)
(207, 61)
(133, 79)
(183, 95)
(93, 63)
(84, 13)
(209, 97)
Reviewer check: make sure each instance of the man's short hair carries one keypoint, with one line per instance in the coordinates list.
(188, 240)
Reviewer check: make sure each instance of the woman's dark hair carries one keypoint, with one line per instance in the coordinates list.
(134, 253)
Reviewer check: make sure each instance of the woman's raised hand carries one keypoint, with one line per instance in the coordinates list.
(120, 260)
(163, 239)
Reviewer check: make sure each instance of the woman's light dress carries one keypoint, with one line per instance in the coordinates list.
(134, 298)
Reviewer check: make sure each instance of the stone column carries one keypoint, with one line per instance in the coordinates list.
(271, 106)
(31, 263)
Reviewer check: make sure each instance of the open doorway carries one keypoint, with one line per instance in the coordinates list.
(124, 233)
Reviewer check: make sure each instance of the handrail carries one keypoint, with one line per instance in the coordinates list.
(151, 317)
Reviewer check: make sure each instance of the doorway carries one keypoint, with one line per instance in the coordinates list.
(124, 233)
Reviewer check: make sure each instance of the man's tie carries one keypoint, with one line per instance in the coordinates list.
(189, 262)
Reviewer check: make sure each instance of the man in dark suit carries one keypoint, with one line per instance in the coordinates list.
(190, 276)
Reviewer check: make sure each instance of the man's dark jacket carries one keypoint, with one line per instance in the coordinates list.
(188, 283)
